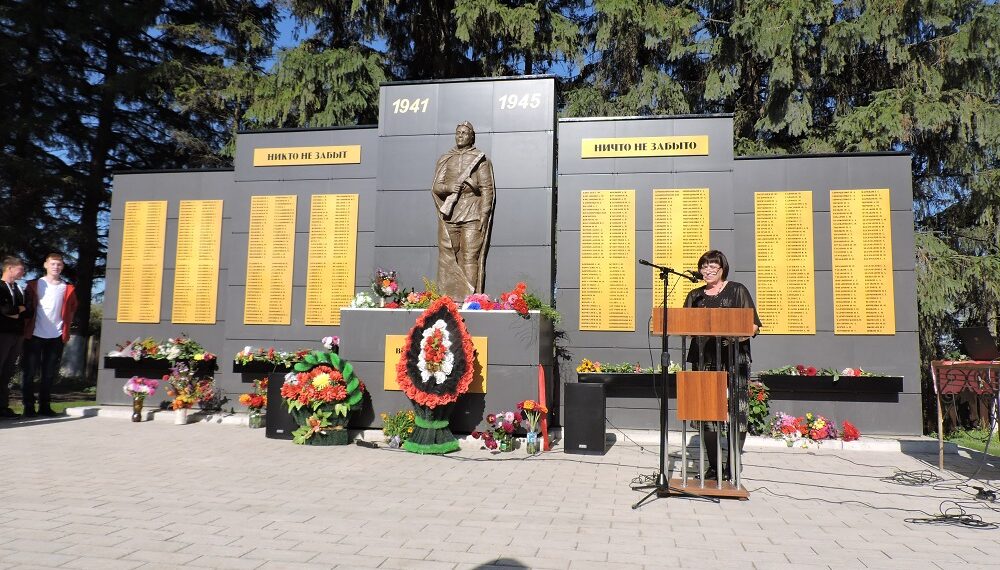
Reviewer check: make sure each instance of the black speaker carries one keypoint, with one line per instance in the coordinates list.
(583, 419)
(280, 424)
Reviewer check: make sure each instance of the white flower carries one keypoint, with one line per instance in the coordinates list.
(290, 378)
(362, 301)
(447, 364)
(247, 349)
(174, 353)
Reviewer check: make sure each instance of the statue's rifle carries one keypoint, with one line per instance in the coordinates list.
(466, 174)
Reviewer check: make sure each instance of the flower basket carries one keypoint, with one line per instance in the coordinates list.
(635, 385)
(829, 387)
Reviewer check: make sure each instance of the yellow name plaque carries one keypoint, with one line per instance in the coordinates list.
(863, 299)
(394, 350)
(196, 271)
(333, 236)
(625, 147)
(270, 255)
(141, 280)
(680, 236)
(307, 155)
(786, 292)
(607, 260)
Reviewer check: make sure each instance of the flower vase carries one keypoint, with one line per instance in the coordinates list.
(381, 302)
(256, 419)
(532, 443)
(507, 443)
(137, 402)
(180, 416)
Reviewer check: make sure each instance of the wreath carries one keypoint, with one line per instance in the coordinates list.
(435, 368)
(321, 392)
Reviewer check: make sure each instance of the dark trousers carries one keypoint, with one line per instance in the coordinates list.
(711, 440)
(44, 354)
(10, 349)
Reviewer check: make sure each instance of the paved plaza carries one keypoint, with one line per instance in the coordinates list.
(105, 493)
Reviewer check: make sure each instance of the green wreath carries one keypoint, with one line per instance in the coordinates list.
(321, 392)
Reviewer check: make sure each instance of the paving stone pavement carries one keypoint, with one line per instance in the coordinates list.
(106, 493)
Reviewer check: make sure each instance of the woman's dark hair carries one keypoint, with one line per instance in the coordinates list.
(717, 257)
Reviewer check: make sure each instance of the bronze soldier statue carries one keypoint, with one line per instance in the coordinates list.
(464, 196)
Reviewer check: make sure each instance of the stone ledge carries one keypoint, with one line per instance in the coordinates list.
(156, 414)
(884, 443)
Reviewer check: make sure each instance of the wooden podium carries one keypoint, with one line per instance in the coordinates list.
(702, 395)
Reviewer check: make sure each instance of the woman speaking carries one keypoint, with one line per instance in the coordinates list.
(716, 293)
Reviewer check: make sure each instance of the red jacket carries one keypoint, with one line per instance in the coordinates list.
(69, 306)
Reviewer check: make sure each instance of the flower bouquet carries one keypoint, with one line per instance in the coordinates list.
(137, 349)
(517, 299)
(139, 388)
(499, 432)
(321, 393)
(398, 427)
(435, 368)
(256, 402)
(385, 285)
(532, 412)
(810, 427)
(187, 389)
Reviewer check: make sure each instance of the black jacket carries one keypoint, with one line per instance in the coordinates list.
(9, 307)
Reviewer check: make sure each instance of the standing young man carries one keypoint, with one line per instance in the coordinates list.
(46, 333)
(13, 312)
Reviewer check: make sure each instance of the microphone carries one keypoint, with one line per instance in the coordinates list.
(697, 275)
(644, 262)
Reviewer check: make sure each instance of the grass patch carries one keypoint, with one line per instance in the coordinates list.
(57, 407)
(975, 439)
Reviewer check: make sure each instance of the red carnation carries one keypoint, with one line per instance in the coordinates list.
(811, 371)
(392, 305)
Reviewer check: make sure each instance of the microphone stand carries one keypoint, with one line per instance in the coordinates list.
(662, 486)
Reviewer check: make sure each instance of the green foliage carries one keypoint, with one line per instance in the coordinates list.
(319, 88)
(546, 310)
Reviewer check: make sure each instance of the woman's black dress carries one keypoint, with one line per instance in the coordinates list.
(733, 296)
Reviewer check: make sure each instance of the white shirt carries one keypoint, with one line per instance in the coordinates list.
(48, 316)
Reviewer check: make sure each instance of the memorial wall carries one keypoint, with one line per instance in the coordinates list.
(307, 216)
(824, 244)
(270, 253)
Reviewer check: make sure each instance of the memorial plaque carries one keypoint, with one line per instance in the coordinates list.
(680, 237)
(623, 147)
(394, 347)
(607, 260)
(333, 237)
(141, 280)
(196, 269)
(786, 290)
(307, 155)
(270, 255)
(863, 296)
